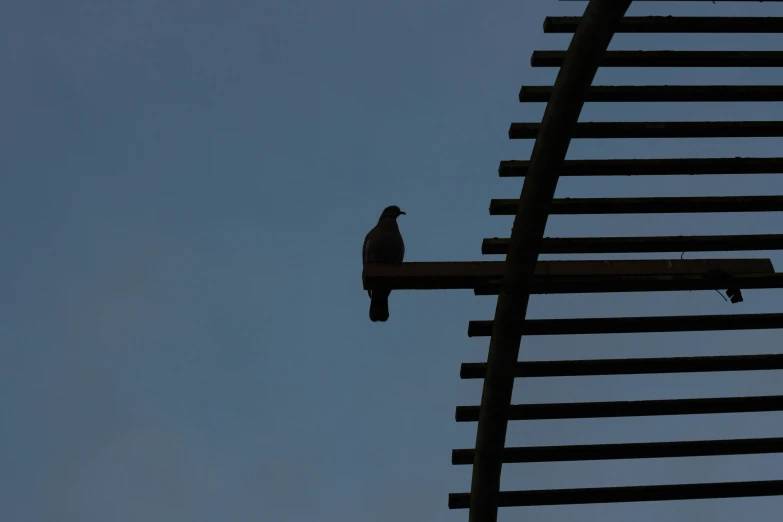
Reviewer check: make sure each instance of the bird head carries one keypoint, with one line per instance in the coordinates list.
(392, 212)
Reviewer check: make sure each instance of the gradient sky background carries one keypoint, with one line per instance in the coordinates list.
(184, 190)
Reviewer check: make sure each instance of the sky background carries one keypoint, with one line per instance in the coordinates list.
(184, 191)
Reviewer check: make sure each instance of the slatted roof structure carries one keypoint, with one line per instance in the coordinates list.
(522, 274)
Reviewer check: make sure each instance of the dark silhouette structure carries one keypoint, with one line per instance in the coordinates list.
(522, 275)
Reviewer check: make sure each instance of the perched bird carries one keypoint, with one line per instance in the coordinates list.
(383, 244)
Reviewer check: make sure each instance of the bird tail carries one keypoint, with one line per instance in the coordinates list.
(379, 306)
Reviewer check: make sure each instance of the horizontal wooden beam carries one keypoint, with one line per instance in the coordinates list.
(664, 93)
(662, 129)
(643, 450)
(554, 497)
(653, 167)
(572, 206)
(670, 59)
(624, 325)
(469, 275)
(676, 24)
(627, 245)
(675, 283)
(595, 367)
(596, 410)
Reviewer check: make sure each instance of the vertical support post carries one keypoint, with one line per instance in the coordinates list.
(585, 52)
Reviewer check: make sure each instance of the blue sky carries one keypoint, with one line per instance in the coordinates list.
(184, 190)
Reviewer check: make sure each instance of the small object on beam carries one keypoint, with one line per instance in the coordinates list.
(670, 59)
(628, 245)
(643, 450)
(664, 93)
(625, 325)
(662, 129)
(471, 274)
(676, 24)
(674, 283)
(597, 410)
(557, 497)
(596, 206)
(653, 167)
(735, 295)
(603, 367)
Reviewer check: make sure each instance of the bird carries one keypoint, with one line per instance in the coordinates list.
(383, 244)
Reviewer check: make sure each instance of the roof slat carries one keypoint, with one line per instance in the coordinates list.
(676, 283)
(596, 410)
(665, 93)
(670, 59)
(572, 206)
(552, 497)
(623, 245)
(643, 450)
(624, 325)
(676, 24)
(661, 129)
(595, 367)
(653, 167)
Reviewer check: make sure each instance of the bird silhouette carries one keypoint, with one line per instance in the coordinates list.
(383, 244)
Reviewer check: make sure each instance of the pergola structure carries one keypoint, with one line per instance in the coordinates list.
(522, 275)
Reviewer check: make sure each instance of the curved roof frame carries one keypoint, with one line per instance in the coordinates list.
(590, 41)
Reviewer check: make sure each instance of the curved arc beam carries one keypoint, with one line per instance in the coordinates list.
(587, 47)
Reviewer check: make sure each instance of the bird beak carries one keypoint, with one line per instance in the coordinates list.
(403, 213)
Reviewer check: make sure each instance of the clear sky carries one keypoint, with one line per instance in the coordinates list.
(184, 191)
